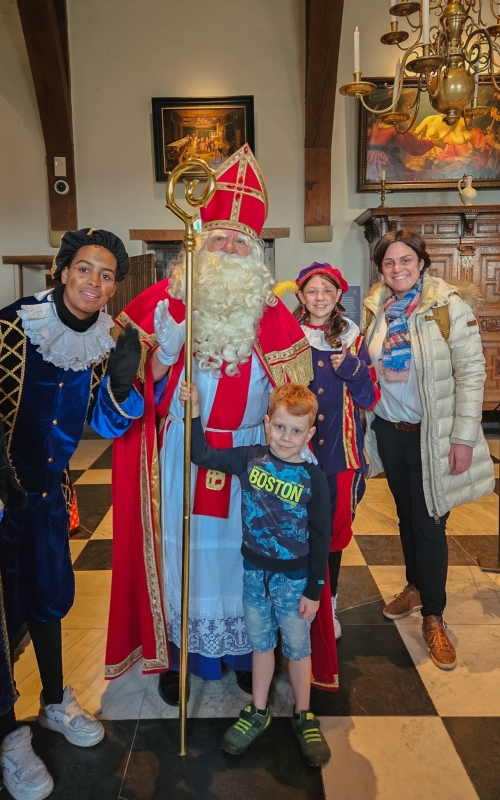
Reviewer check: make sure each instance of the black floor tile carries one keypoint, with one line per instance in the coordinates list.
(381, 550)
(89, 432)
(367, 613)
(271, 768)
(95, 555)
(477, 741)
(75, 474)
(377, 677)
(484, 547)
(459, 555)
(387, 551)
(86, 773)
(359, 600)
(104, 460)
(356, 586)
(94, 501)
(81, 533)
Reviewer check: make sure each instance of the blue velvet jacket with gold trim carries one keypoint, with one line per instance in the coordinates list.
(338, 441)
(44, 407)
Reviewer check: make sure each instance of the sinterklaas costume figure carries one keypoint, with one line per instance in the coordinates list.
(246, 342)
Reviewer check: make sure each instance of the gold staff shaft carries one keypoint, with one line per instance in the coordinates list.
(189, 246)
(186, 500)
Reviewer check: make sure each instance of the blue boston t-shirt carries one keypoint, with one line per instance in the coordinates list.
(286, 511)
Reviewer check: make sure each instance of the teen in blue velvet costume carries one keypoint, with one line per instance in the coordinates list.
(58, 368)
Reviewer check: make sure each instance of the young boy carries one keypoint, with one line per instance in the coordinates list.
(286, 537)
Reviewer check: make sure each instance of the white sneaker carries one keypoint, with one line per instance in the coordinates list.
(336, 623)
(24, 773)
(77, 725)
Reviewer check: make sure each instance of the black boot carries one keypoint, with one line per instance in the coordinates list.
(244, 680)
(169, 687)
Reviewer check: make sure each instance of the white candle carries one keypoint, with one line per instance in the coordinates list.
(476, 84)
(425, 22)
(357, 62)
(382, 175)
(396, 79)
(393, 3)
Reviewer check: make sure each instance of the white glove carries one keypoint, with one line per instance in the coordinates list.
(308, 455)
(169, 334)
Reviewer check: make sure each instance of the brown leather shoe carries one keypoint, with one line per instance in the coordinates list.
(404, 603)
(441, 649)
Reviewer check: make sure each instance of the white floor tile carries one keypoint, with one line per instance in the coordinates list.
(76, 546)
(217, 698)
(377, 517)
(94, 476)
(378, 490)
(352, 555)
(391, 758)
(472, 689)
(87, 452)
(83, 661)
(91, 606)
(474, 518)
(105, 528)
(123, 697)
(472, 597)
(390, 580)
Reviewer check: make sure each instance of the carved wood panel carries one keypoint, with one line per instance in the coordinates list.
(141, 275)
(492, 356)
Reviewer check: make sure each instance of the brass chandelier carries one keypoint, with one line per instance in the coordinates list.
(450, 51)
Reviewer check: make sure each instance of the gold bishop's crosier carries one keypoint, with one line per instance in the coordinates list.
(189, 246)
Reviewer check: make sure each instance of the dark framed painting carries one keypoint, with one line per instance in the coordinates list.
(210, 128)
(432, 155)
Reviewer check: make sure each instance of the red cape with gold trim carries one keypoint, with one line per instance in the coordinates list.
(136, 620)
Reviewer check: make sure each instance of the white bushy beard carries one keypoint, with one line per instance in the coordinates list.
(230, 294)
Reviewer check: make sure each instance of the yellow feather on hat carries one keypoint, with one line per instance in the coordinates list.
(283, 287)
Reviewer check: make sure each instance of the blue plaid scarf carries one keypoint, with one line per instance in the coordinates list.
(396, 350)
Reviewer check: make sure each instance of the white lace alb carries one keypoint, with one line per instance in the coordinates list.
(60, 345)
(212, 638)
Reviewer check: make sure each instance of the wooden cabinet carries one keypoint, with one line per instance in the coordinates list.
(464, 245)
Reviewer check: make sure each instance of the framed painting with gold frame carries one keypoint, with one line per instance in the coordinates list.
(431, 155)
(210, 128)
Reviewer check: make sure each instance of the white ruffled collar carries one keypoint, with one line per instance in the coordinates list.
(60, 345)
(316, 336)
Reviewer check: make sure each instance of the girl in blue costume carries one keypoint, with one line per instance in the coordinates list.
(58, 368)
(344, 381)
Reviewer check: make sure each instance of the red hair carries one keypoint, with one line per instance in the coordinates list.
(298, 401)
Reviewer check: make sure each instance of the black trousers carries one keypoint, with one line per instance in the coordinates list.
(423, 538)
(47, 643)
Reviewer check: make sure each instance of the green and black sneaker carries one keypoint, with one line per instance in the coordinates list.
(312, 742)
(249, 725)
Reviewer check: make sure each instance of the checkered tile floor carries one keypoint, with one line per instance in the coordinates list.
(398, 727)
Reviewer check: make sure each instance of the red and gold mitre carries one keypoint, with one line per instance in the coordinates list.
(240, 199)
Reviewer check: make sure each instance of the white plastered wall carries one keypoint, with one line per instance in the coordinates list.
(123, 53)
(23, 194)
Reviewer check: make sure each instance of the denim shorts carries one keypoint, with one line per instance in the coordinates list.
(277, 609)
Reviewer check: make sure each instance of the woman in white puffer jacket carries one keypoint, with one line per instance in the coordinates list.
(425, 432)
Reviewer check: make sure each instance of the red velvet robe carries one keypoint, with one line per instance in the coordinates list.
(136, 619)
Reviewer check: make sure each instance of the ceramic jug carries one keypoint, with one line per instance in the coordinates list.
(468, 194)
